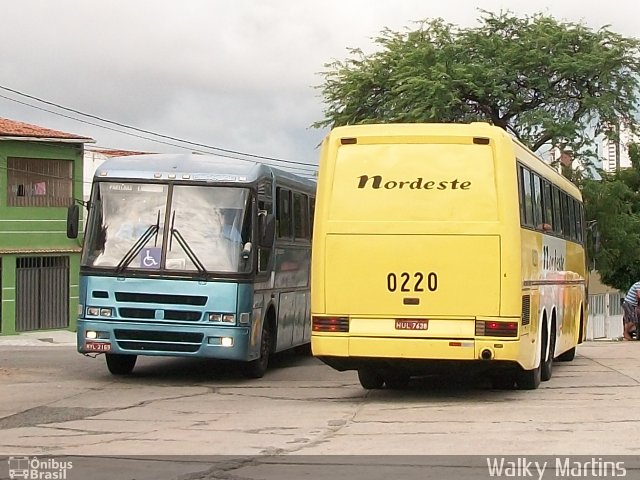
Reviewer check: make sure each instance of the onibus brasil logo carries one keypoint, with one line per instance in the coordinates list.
(37, 469)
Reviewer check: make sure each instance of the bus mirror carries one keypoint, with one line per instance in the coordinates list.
(267, 230)
(73, 218)
(246, 251)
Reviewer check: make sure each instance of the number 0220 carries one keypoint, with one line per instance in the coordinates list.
(416, 282)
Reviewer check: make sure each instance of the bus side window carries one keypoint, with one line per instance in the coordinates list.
(521, 195)
(557, 212)
(579, 226)
(547, 210)
(527, 199)
(566, 221)
(300, 216)
(283, 214)
(265, 205)
(537, 201)
(312, 214)
(572, 219)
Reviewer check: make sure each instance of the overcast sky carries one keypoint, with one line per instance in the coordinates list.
(236, 74)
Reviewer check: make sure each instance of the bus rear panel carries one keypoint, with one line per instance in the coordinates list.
(417, 252)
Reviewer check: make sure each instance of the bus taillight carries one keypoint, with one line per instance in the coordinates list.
(330, 324)
(492, 328)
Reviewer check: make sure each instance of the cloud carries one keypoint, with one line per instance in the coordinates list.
(239, 75)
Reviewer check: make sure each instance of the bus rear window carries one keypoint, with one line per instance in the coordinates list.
(414, 182)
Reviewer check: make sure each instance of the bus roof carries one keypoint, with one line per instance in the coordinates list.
(191, 167)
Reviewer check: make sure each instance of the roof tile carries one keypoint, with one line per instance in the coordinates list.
(13, 128)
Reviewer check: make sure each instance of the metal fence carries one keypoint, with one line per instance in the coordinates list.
(605, 316)
(42, 293)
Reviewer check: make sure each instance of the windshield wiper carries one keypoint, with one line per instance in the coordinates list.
(187, 249)
(137, 247)
(185, 246)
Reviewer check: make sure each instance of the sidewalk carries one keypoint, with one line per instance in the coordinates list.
(40, 339)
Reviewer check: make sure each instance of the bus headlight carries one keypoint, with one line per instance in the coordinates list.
(99, 312)
(229, 318)
(94, 335)
(220, 341)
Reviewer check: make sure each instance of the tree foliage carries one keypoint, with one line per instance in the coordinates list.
(614, 204)
(548, 82)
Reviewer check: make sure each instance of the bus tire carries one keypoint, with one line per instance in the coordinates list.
(529, 379)
(547, 365)
(568, 355)
(258, 367)
(370, 379)
(397, 380)
(120, 364)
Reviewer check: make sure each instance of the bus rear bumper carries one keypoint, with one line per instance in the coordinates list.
(351, 353)
(227, 343)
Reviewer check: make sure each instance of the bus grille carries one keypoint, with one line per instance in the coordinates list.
(149, 314)
(133, 297)
(142, 340)
(526, 309)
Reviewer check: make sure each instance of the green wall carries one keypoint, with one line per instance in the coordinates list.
(36, 231)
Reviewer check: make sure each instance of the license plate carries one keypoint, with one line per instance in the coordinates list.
(98, 346)
(412, 324)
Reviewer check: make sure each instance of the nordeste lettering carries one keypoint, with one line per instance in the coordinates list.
(377, 182)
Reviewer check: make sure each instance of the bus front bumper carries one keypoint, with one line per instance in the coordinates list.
(222, 342)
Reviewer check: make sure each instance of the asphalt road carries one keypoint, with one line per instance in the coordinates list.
(187, 418)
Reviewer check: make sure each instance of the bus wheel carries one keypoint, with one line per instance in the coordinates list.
(529, 379)
(258, 367)
(547, 366)
(568, 355)
(120, 364)
(370, 379)
(397, 380)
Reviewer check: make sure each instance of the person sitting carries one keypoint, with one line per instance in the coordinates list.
(630, 307)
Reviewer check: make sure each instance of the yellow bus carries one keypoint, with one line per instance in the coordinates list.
(444, 245)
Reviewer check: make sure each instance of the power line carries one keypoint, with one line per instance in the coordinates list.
(304, 168)
(168, 137)
(92, 123)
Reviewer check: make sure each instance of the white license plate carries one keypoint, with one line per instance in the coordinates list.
(97, 346)
(412, 324)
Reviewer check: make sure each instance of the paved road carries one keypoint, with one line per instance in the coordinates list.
(56, 402)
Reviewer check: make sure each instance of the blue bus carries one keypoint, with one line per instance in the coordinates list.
(194, 256)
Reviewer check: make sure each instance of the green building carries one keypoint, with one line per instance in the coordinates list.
(40, 176)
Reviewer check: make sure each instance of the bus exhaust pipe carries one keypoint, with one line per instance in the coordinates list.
(486, 354)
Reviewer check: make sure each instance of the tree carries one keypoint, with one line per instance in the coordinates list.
(550, 83)
(614, 204)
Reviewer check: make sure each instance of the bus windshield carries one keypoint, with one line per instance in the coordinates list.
(208, 228)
